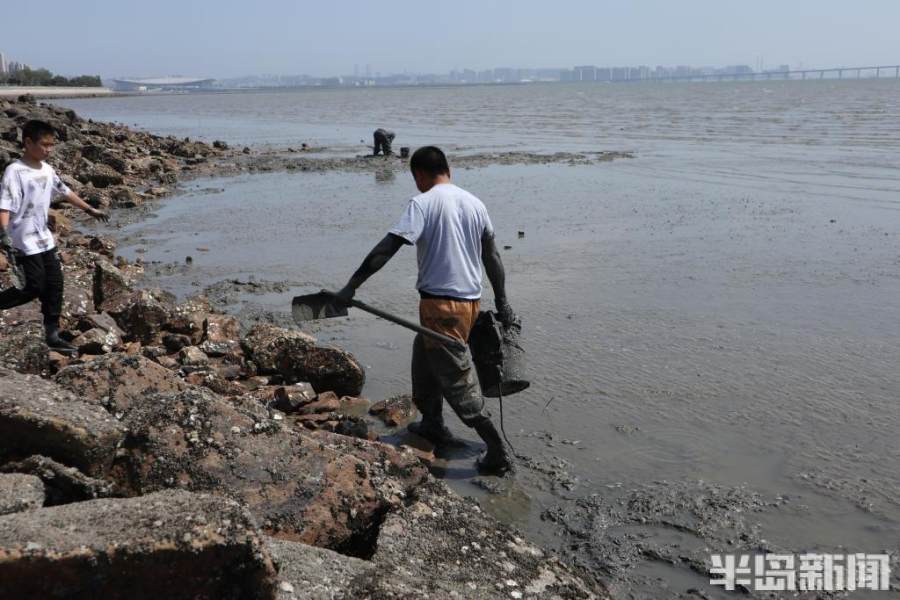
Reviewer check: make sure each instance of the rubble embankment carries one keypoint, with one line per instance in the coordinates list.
(180, 454)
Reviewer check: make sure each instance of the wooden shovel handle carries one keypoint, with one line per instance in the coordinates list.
(445, 339)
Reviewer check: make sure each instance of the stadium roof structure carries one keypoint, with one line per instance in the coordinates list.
(163, 82)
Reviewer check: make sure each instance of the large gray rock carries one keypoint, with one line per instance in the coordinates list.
(101, 176)
(315, 573)
(327, 369)
(188, 318)
(261, 343)
(110, 285)
(221, 328)
(444, 546)
(62, 484)
(172, 545)
(97, 341)
(295, 356)
(118, 381)
(142, 315)
(22, 347)
(20, 492)
(39, 417)
(322, 489)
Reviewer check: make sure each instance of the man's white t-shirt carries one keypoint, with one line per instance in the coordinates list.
(26, 193)
(446, 224)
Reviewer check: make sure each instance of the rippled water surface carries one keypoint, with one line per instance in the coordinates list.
(721, 309)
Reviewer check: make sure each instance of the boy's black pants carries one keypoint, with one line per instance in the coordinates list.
(43, 280)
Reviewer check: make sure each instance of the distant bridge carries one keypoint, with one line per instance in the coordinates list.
(835, 73)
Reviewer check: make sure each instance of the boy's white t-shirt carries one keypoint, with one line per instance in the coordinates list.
(26, 193)
(446, 224)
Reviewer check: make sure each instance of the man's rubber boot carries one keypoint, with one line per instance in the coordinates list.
(496, 461)
(436, 433)
(56, 343)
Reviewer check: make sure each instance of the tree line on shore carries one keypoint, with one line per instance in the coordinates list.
(42, 77)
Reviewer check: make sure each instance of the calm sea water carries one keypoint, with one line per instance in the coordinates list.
(723, 307)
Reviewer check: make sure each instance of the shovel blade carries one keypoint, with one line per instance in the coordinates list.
(316, 306)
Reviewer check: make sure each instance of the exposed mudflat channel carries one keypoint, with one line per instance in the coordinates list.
(711, 325)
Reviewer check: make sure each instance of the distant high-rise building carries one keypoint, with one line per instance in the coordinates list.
(3, 66)
(585, 73)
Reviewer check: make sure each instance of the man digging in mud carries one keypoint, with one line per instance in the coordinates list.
(383, 140)
(453, 235)
(29, 185)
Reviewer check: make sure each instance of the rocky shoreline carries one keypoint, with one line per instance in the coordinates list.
(183, 455)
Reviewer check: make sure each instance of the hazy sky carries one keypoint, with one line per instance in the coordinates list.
(226, 38)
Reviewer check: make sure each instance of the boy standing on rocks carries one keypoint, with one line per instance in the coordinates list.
(454, 236)
(29, 185)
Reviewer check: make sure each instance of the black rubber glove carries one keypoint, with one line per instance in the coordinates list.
(16, 271)
(345, 295)
(99, 215)
(506, 315)
(5, 241)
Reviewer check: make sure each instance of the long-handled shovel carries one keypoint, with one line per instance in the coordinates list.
(326, 305)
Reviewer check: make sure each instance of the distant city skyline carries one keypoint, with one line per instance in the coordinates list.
(10, 67)
(225, 40)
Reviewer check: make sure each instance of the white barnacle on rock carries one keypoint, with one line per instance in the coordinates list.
(284, 586)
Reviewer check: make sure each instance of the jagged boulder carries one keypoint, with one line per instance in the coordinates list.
(397, 411)
(142, 316)
(97, 341)
(192, 356)
(478, 557)
(124, 197)
(290, 399)
(62, 484)
(176, 341)
(312, 573)
(111, 286)
(172, 544)
(261, 342)
(114, 161)
(39, 417)
(118, 381)
(188, 318)
(77, 302)
(322, 489)
(224, 348)
(323, 367)
(22, 348)
(19, 492)
(221, 328)
(102, 321)
(101, 176)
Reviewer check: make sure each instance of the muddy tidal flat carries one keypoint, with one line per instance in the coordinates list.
(711, 318)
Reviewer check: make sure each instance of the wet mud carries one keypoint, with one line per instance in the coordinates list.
(711, 326)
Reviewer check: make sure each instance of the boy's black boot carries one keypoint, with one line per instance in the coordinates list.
(496, 461)
(56, 343)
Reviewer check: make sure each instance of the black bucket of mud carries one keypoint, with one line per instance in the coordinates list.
(499, 358)
(404, 151)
